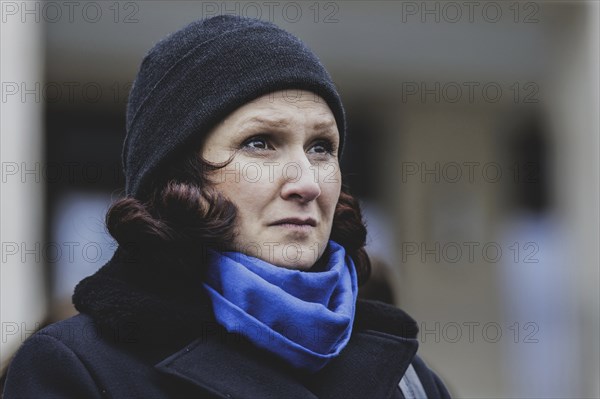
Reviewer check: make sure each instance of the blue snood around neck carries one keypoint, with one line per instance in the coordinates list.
(302, 317)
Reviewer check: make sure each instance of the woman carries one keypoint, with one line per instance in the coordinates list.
(240, 254)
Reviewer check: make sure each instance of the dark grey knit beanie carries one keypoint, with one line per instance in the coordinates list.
(195, 77)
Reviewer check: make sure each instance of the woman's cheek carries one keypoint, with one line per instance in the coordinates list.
(331, 180)
(329, 173)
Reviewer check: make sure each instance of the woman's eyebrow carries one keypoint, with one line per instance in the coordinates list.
(324, 124)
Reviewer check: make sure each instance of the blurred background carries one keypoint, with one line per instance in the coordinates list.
(473, 148)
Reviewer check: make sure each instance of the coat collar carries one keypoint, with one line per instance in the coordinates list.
(170, 304)
(371, 365)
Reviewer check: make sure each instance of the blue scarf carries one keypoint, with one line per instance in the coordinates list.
(303, 317)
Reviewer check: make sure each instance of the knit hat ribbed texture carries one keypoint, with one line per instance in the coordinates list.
(195, 77)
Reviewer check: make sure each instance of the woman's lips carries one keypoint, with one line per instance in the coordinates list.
(296, 221)
(295, 227)
(296, 224)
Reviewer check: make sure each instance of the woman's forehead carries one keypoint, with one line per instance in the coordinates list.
(315, 121)
(279, 109)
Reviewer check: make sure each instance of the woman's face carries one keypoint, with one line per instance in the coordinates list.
(284, 178)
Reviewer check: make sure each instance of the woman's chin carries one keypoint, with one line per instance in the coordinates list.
(302, 266)
(303, 263)
(288, 254)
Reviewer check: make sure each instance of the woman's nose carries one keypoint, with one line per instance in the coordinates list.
(300, 180)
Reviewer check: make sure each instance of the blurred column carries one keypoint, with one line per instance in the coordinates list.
(574, 113)
(22, 214)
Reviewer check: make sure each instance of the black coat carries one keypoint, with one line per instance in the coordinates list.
(147, 332)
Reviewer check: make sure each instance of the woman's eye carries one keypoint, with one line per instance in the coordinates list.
(257, 143)
(322, 147)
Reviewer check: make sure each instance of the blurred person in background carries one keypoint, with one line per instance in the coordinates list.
(240, 252)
